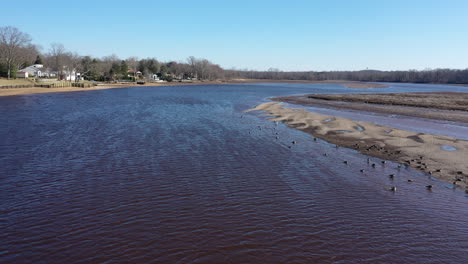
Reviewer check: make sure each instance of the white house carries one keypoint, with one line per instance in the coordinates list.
(71, 75)
(38, 70)
(33, 70)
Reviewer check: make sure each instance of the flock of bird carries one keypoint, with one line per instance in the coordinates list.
(372, 164)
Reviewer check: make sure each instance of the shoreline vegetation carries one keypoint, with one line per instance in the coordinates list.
(21, 58)
(439, 156)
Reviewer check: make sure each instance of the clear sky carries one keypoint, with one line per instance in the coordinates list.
(288, 35)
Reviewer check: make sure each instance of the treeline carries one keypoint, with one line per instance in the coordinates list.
(17, 51)
(412, 76)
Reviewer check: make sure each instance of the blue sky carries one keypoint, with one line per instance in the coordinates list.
(288, 35)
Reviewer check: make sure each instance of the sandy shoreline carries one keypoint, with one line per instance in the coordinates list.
(442, 157)
(370, 103)
(39, 90)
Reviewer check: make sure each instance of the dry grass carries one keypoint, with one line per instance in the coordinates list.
(14, 82)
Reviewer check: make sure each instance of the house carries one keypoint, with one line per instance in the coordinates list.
(131, 73)
(38, 70)
(22, 74)
(33, 70)
(70, 75)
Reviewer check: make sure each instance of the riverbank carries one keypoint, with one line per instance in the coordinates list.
(439, 156)
(40, 90)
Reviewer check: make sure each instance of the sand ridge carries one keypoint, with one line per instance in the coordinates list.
(443, 157)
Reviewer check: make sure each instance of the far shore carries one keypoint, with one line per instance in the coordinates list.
(101, 86)
(423, 152)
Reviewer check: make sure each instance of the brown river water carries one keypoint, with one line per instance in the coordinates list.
(183, 175)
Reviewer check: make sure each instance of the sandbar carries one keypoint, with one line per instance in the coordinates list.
(442, 157)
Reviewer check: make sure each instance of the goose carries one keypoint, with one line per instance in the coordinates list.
(393, 189)
(428, 187)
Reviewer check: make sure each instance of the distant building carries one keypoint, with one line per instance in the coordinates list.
(70, 75)
(131, 73)
(38, 70)
(33, 70)
(22, 74)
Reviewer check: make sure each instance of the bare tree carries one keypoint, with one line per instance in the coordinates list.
(57, 54)
(133, 64)
(12, 40)
(26, 56)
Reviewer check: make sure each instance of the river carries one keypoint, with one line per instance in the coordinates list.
(182, 174)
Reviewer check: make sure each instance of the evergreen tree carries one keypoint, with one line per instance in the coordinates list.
(124, 69)
(38, 60)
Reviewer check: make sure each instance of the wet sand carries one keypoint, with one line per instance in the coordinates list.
(39, 90)
(442, 157)
(361, 85)
(437, 105)
(436, 100)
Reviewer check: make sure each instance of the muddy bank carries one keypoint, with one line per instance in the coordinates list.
(437, 100)
(370, 103)
(439, 156)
